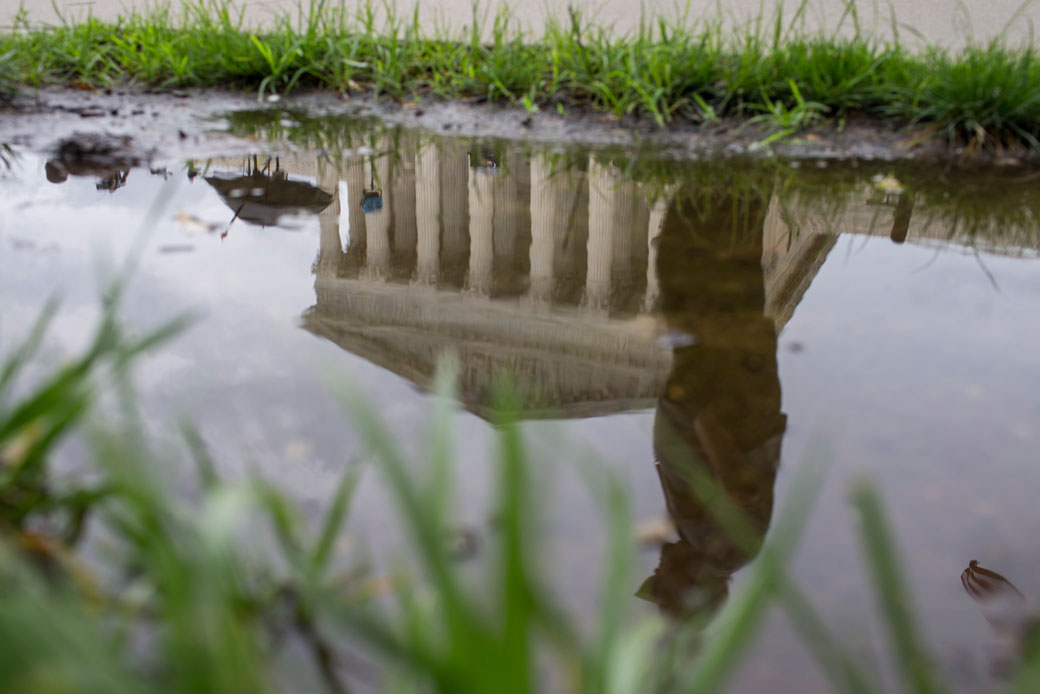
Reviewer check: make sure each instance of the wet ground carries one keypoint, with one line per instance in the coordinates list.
(656, 312)
(154, 125)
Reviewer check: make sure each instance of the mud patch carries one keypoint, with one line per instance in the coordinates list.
(181, 124)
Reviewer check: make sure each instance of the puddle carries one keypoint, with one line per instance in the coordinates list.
(651, 311)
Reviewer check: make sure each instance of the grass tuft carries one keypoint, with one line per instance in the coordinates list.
(183, 594)
(771, 71)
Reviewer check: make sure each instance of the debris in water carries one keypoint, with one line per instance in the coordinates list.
(888, 184)
(463, 543)
(1012, 615)
(107, 157)
(190, 221)
(677, 339)
(655, 531)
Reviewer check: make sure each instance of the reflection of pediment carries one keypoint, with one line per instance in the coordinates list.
(566, 362)
(790, 262)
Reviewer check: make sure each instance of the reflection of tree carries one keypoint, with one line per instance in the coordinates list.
(720, 412)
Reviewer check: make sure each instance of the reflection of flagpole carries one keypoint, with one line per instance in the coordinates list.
(227, 229)
(427, 214)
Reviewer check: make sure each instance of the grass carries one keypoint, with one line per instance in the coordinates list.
(986, 95)
(224, 588)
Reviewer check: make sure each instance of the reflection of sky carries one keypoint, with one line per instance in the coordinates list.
(916, 369)
(922, 376)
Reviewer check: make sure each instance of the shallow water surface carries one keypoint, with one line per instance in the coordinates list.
(654, 315)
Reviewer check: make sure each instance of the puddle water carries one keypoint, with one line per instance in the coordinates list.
(652, 313)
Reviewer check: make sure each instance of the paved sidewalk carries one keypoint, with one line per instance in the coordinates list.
(942, 22)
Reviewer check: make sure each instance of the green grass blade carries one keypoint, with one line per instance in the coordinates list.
(892, 593)
(334, 519)
(30, 345)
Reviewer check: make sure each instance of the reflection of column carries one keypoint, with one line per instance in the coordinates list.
(357, 179)
(377, 224)
(623, 219)
(657, 214)
(427, 213)
(544, 215)
(454, 193)
(638, 233)
(404, 205)
(604, 182)
(510, 206)
(481, 229)
(506, 203)
(330, 248)
(571, 261)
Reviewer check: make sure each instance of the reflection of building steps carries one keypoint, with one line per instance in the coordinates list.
(790, 261)
(564, 362)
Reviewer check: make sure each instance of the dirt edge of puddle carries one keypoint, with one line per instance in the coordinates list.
(179, 124)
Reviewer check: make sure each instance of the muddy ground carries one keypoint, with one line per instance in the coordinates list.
(147, 127)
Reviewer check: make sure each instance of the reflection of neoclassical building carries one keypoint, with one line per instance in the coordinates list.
(541, 267)
(496, 274)
(594, 294)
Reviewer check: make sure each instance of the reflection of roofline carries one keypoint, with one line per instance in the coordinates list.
(795, 276)
(576, 364)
